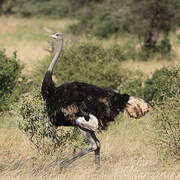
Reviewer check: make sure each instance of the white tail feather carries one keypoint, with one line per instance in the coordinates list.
(136, 107)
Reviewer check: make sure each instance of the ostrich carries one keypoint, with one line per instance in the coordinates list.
(86, 106)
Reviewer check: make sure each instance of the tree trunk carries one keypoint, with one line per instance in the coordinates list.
(148, 40)
(1, 4)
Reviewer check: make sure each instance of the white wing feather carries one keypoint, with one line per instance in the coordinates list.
(91, 124)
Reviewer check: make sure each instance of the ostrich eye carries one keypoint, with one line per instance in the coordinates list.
(58, 34)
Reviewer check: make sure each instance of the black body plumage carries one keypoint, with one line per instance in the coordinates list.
(72, 100)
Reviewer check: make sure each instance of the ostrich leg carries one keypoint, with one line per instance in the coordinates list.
(93, 145)
(97, 156)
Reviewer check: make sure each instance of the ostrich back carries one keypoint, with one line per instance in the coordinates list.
(72, 100)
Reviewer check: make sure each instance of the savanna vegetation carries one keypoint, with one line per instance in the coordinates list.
(127, 46)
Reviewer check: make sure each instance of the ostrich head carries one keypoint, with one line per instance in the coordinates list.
(57, 36)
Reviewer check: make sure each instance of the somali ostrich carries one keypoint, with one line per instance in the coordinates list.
(86, 106)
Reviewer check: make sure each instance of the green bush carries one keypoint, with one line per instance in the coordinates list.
(9, 6)
(12, 81)
(97, 19)
(52, 8)
(118, 18)
(108, 23)
(155, 87)
(166, 125)
(89, 62)
(163, 84)
(35, 123)
(163, 92)
(163, 49)
(49, 8)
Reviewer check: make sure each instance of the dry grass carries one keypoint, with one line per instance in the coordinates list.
(12, 142)
(27, 37)
(125, 154)
(147, 67)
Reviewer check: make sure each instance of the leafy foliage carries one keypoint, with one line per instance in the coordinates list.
(45, 137)
(166, 117)
(11, 80)
(52, 8)
(157, 18)
(163, 48)
(43, 8)
(155, 88)
(9, 6)
(100, 19)
(89, 62)
(104, 18)
(163, 84)
(166, 123)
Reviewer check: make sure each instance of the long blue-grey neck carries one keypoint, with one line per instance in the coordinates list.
(58, 52)
(48, 84)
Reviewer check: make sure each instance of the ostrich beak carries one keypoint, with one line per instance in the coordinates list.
(52, 36)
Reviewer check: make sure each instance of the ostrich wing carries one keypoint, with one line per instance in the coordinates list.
(77, 99)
